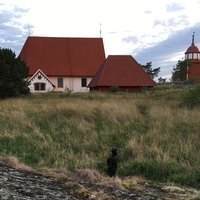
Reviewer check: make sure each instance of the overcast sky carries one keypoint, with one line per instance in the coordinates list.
(159, 31)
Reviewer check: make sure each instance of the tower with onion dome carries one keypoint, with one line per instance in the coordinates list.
(192, 56)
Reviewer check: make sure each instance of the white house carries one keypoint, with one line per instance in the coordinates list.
(62, 64)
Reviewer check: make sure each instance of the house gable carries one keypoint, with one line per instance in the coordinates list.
(39, 82)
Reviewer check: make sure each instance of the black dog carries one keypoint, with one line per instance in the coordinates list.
(112, 163)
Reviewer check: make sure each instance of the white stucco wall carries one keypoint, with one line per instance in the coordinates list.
(49, 87)
(72, 84)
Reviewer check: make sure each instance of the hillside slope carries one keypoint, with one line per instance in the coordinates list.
(155, 136)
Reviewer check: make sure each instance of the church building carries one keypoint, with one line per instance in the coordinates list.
(62, 64)
(192, 55)
(79, 65)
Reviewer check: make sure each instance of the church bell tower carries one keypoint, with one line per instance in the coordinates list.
(192, 52)
(192, 57)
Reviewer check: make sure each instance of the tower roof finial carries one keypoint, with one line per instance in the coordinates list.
(193, 38)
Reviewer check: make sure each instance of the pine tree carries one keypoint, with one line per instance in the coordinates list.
(150, 71)
(13, 75)
(179, 72)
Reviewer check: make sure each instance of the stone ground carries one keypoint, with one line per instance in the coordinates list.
(18, 184)
(24, 185)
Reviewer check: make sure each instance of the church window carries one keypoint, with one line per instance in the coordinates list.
(39, 86)
(83, 82)
(60, 82)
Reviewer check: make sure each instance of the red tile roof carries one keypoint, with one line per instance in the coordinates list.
(121, 71)
(192, 49)
(63, 56)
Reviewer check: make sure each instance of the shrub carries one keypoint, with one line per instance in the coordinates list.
(114, 88)
(191, 98)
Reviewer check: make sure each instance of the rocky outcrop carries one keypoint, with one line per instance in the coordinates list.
(24, 185)
(18, 184)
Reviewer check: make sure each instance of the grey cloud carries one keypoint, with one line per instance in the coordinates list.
(12, 33)
(6, 17)
(28, 26)
(161, 53)
(160, 22)
(19, 11)
(112, 32)
(130, 39)
(174, 7)
(148, 12)
(116, 32)
(172, 22)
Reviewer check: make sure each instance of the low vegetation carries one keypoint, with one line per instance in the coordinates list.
(191, 98)
(157, 136)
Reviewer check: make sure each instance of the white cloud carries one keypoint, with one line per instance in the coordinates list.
(173, 7)
(139, 28)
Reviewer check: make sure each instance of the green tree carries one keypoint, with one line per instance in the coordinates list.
(162, 80)
(179, 72)
(150, 71)
(13, 75)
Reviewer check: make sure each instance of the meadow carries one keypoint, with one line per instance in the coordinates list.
(155, 135)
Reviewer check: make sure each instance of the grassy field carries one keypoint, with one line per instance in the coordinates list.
(155, 136)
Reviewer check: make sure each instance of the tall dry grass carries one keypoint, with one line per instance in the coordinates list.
(155, 136)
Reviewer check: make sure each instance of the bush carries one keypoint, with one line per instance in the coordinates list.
(114, 88)
(192, 97)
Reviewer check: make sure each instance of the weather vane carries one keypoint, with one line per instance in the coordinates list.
(100, 29)
(29, 30)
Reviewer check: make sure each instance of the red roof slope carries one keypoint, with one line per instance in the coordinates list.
(192, 49)
(63, 56)
(121, 71)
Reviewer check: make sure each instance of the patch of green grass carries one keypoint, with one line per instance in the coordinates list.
(191, 98)
(155, 137)
(151, 168)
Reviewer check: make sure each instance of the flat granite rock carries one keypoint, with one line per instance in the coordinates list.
(18, 184)
(24, 185)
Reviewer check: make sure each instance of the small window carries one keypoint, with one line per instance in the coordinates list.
(39, 86)
(36, 86)
(60, 82)
(42, 86)
(195, 56)
(83, 82)
(190, 56)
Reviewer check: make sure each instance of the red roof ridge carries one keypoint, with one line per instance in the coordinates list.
(120, 55)
(63, 37)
